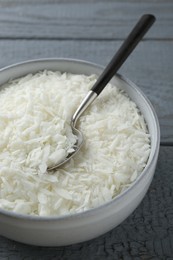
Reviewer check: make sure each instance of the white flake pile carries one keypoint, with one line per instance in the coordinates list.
(35, 133)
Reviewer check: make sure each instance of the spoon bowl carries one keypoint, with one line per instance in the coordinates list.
(76, 147)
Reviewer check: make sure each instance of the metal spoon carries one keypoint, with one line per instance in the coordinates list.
(126, 48)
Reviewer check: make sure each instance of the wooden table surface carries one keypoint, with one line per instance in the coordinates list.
(93, 31)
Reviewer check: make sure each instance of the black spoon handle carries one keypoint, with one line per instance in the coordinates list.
(126, 48)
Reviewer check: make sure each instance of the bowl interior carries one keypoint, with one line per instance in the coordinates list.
(82, 67)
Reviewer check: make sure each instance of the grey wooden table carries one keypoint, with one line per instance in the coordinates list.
(93, 30)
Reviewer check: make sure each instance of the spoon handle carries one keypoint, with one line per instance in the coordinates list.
(126, 48)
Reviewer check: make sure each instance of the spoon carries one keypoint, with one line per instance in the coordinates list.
(126, 48)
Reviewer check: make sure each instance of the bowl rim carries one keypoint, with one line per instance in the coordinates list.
(121, 195)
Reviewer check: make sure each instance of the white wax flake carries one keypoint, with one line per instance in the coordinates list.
(56, 157)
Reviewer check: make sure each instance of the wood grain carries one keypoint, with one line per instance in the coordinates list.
(87, 20)
(146, 234)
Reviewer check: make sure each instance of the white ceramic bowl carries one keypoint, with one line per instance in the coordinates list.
(56, 231)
